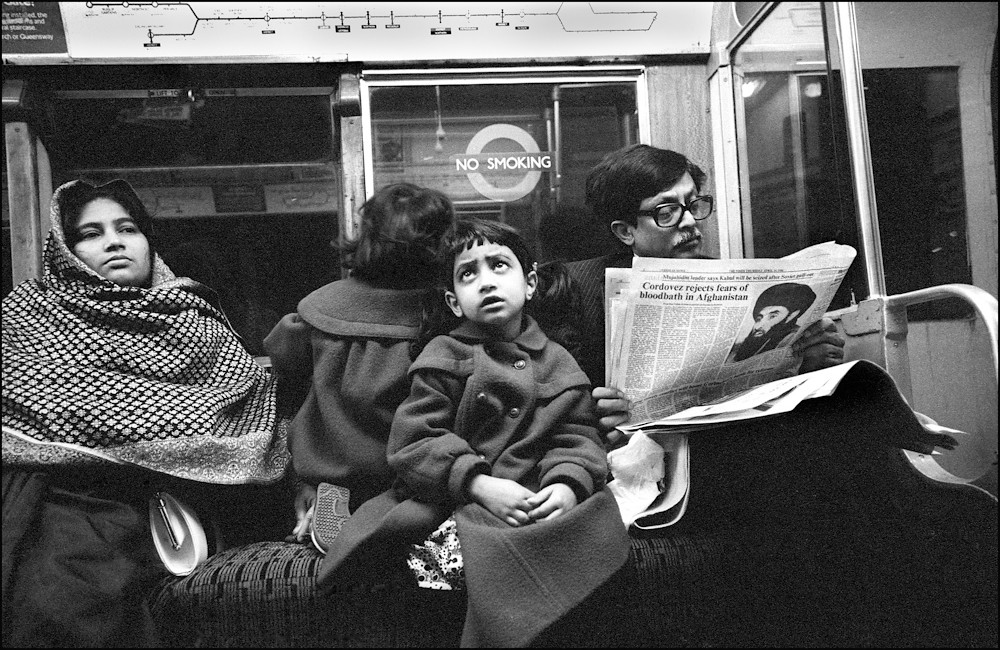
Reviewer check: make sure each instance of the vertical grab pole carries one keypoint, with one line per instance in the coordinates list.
(556, 174)
(857, 137)
(27, 236)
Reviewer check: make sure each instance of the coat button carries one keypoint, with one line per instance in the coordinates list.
(520, 364)
(514, 412)
(481, 396)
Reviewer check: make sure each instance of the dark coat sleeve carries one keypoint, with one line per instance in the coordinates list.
(575, 454)
(288, 346)
(588, 283)
(426, 454)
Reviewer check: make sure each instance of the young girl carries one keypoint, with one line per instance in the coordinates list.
(342, 358)
(499, 430)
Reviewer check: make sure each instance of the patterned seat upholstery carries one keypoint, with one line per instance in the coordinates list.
(903, 583)
(263, 594)
(790, 549)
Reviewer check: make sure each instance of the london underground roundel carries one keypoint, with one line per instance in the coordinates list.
(532, 161)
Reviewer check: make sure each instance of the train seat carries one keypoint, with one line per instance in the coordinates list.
(807, 551)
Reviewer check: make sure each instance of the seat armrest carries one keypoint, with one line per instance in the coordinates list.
(876, 329)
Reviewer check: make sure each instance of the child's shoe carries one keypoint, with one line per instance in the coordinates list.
(329, 514)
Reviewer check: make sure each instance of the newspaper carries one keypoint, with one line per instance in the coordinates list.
(686, 341)
(698, 343)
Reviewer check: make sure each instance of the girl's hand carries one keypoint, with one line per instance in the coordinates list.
(551, 501)
(504, 498)
(305, 503)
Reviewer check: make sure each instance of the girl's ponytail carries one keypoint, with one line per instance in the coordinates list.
(556, 304)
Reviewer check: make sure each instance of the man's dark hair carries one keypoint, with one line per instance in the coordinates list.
(791, 295)
(618, 184)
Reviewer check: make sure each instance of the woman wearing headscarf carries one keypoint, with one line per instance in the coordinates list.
(120, 380)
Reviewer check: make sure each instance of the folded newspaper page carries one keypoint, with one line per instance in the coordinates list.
(651, 471)
(688, 339)
(651, 478)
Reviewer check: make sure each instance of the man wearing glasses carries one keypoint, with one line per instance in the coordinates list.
(651, 199)
(761, 487)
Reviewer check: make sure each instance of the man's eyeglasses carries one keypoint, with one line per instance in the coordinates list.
(668, 215)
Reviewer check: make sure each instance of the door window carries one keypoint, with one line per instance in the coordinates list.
(518, 151)
(795, 182)
(796, 187)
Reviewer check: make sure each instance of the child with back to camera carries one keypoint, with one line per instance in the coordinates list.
(498, 430)
(343, 355)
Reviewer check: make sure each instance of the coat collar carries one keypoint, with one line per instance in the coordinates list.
(352, 307)
(531, 338)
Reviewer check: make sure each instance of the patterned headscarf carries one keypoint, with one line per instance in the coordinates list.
(95, 372)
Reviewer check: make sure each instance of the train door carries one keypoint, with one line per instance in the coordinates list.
(240, 166)
(869, 123)
(513, 145)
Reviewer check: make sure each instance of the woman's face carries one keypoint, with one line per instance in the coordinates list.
(110, 243)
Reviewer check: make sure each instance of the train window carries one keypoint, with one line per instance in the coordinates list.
(795, 177)
(517, 151)
(243, 182)
(181, 127)
(928, 118)
(916, 148)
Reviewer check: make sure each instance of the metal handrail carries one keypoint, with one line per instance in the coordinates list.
(984, 304)
(897, 363)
